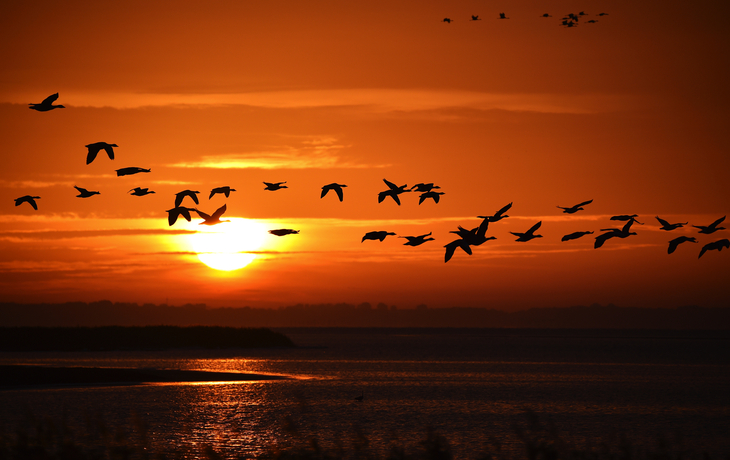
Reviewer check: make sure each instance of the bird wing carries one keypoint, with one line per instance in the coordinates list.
(436, 197)
(503, 210)
(325, 189)
(91, 156)
(212, 192)
(219, 212)
(422, 198)
(724, 243)
(717, 222)
(203, 215)
(50, 99)
(109, 151)
(673, 245)
(81, 190)
(381, 196)
(338, 190)
(483, 227)
(194, 197)
(663, 222)
(32, 203)
(583, 203)
(395, 198)
(534, 228)
(172, 217)
(178, 199)
(703, 250)
(390, 185)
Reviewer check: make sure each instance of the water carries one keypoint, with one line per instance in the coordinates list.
(470, 385)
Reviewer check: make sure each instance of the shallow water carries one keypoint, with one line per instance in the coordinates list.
(470, 385)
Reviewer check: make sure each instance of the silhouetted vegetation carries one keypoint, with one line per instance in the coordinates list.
(49, 440)
(136, 338)
(363, 315)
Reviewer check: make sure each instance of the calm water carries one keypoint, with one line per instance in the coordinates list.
(472, 386)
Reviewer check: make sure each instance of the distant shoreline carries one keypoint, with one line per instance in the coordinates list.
(21, 376)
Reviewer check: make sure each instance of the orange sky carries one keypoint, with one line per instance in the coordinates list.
(631, 111)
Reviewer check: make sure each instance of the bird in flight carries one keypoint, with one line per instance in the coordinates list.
(626, 217)
(474, 237)
(139, 191)
(83, 193)
(179, 196)
(436, 196)
(475, 17)
(677, 241)
(376, 235)
(393, 192)
(226, 190)
(614, 233)
(667, 226)
(333, 186)
(503, 16)
(174, 213)
(131, 170)
(546, 15)
(421, 187)
(284, 231)
(47, 104)
(447, 20)
(215, 219)
(27, 199)
(575, 236)
(273, 186)
(576, 208)
(499, 215)
(712, 228)
(416, 240)
(96, 147)
(715, 245)
(528, 235)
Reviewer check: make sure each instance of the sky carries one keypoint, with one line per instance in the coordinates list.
(631, 112)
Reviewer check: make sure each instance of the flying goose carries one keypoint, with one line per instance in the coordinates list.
(174, 213)
(131, 170)
(435, 195)
(677, 241)
(214, 219)
(576, 208)
(284, 231)
(712, 228)
(393, 192)
(376, 235)
(273, 186)
(47, 104)
(416, 240)
(333, 186)
(715, 245)
(139, 191)
(96, 147)
(179, 196)
(27, 199)
(667, 226)
(421, 187)
(528, 235)
(575, 236)
(83, 193)
(499, 215)
(226, 190)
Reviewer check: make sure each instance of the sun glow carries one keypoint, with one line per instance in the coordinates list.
(225, 246)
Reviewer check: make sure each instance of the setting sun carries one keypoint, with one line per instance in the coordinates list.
(226, 246)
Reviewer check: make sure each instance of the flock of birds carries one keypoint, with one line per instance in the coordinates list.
(466, 238)
(569, 20)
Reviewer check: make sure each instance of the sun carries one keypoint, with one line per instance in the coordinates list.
(226, 246)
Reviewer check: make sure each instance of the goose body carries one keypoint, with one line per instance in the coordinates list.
(139, 191)
(436, 196)
(226, 190)
(179, 196)
(529, 234)
(83, 193)
(575, 208)
(677, 241)
(715, 245)
(213, 219)
(575, 236)
(393, 192)
(131, 170)
(667, 226)
(97, 147)
(47, 104)
(283, 231)
(27, 199)
(273, 186)
(712, 228)
(416, 240)
(376, 235)
(333, 186)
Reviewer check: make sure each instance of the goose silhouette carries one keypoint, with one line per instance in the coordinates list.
(421, 187)
(393, 192)
(712, 228)
(131, 170)
(614, 233)
(179, 196)
(575, 236)
(83, 193)
(27, 199)
(46, 104)
(226, 190)
(376, 235)
(436, 196)
(333, 186)
(503, 16)
(284, 231)
(177, 211)
(576, 208)
(97, 147)
(475, 17)
(273, 186)
(139, 191)
(715, 245)
(626, 217)
(677, 241)
(667, 226)
(499, 215)
(416, 240)
(214, 219)
(546, 15)
(447, 20)
(529, 234)
(474, 237)
(451, 248)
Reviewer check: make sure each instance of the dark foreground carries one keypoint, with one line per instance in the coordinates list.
(25, 376)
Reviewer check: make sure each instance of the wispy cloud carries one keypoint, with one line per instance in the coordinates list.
(314, 152)
(376, 99)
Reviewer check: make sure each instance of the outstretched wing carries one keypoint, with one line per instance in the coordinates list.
(109, 151)
(583, 203)
(395, 197)
(663, 222)
(50, 99)
(91, 156)
(202, 214)
(194, 196)
(81, 190)
(219, 212)
(534, 228)
(717, 222)
(338, 190)
(673, 245)
(390, 185)
(503, 210)
(32, 201)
